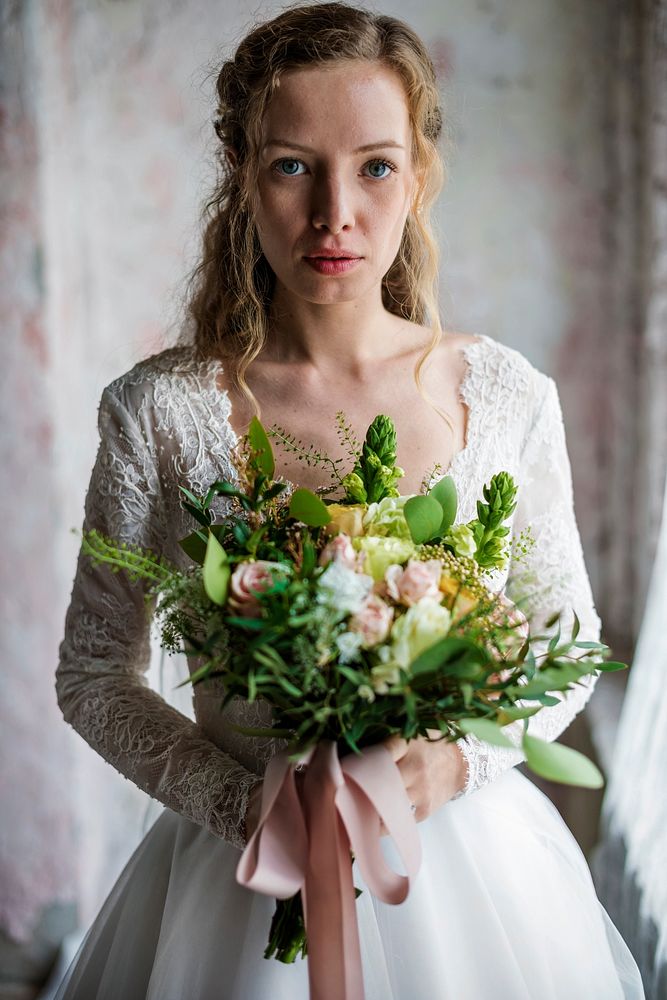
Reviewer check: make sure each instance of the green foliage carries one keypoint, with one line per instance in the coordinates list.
(289, 654)
(261, 446)
(137, 562)
(560, 763)
(486, 730)
(424, 517)
(489, 531)
(216, 571)
(375, 474)
(430, 517)
(444, 491)
(307, 507)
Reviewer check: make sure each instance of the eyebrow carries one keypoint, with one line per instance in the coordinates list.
(362, 149)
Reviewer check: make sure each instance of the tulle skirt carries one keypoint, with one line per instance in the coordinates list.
(504, 907)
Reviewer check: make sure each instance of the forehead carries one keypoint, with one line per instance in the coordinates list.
(343, 103)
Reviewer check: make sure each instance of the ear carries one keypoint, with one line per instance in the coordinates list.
(232, 157)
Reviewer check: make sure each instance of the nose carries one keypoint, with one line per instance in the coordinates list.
(332, 204)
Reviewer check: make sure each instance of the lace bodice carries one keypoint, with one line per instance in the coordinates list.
(166, 423)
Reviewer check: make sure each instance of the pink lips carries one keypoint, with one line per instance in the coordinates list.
(333, 265)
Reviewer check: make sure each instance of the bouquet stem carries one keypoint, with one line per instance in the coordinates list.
(287, 936)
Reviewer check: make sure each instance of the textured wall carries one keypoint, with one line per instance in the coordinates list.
(106, 110)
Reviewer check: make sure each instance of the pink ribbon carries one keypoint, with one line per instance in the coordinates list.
(303, 842)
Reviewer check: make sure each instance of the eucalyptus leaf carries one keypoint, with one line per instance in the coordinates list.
(548, 699)
(611, 665)
(307, 507)
(259, 441)
(551, 679)
(216, 571)
(560, 763)
(511, 714)
(486, 730)
(444, 651)
(424, 516)
(444, 492)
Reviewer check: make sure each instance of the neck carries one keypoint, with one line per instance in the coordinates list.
(343, 335)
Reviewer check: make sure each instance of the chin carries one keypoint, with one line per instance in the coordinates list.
(325, 290)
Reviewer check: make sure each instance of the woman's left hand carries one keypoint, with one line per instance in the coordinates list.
(432, 771)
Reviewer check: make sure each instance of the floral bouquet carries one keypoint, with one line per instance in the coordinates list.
(355, 620)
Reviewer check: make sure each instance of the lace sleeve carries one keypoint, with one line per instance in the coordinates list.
(551, 577)
(101, 685)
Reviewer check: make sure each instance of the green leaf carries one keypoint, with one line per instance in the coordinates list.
(259, 442)
(444, 492)
(611, 665)
(194, 545)
(274, 491)
(216, 571)
(197, 675)
(446, 651)
(511, 714)
(224, 488)
(424, 516)
(487, 731)
(195, 501)
(548, 700)
(560, 763)
(437, 656)
(575, 626)
(555, 678)
(306, 506)
(203, 518)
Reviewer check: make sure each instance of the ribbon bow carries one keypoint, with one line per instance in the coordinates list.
(303, 842)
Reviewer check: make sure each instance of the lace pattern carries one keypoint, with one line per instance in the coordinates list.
(165, 423)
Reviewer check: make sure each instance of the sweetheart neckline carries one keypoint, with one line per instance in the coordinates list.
(215, 365)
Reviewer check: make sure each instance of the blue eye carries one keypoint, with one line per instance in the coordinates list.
(381, 163)
(288, 173)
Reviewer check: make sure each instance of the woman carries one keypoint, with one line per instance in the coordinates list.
(317, 293)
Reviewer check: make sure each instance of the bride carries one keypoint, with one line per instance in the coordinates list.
(317, 292)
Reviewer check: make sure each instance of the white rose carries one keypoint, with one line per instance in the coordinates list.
(381, 552)
(342, 589)
(387, 518)
(424, 624)
(348, 644)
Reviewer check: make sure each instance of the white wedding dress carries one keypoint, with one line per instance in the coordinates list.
(504, 906)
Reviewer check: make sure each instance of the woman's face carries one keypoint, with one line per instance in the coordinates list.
(335, 178)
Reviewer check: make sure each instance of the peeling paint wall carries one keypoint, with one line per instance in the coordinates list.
(107, 143)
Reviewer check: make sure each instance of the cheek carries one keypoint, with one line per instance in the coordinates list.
(384, 223)
(388, 209)
(276, 210)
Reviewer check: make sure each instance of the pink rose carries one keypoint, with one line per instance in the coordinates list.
(418, 579)
(246, 578)
(372, 620)
(339, 549)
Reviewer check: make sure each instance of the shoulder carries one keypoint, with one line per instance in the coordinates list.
(503, 378)
(157, 380)
(165, 367)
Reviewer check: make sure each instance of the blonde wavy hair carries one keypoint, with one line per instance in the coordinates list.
(230, 289)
